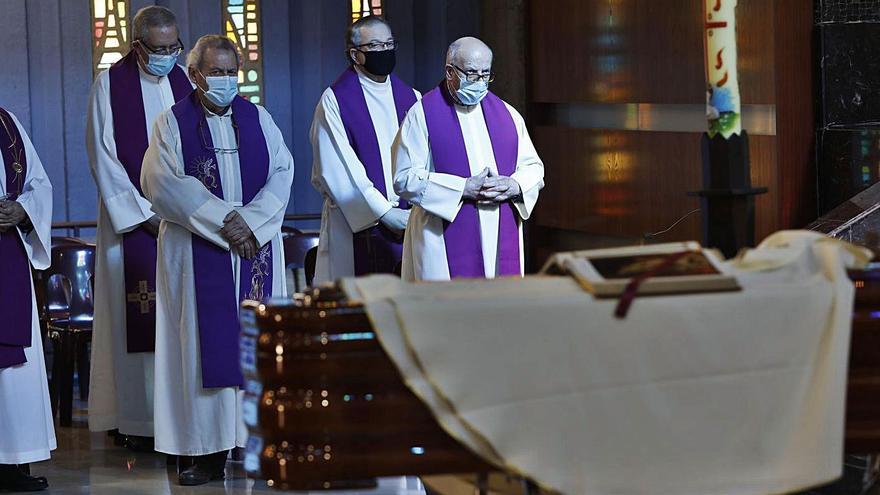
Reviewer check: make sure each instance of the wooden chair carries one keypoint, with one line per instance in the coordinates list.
(69, 311)
(297, 245)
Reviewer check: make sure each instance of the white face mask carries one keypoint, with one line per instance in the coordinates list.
(221, 89)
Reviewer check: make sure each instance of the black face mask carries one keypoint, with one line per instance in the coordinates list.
(380, 63)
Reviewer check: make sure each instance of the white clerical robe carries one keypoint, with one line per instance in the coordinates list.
(351, 202)
(27, 433)
(189, 419)
(437, 197)
(121, 209)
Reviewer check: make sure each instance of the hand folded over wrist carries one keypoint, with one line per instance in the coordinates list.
(12, 215)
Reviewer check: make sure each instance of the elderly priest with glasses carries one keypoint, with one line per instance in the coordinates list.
(352, 132)
(26, 431)
(219, 175)
(125, 101)
(464, 159)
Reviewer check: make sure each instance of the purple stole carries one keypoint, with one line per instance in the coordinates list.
(376, 250)
(138, 246)
(15, 268)
(464, 251)
(216, 300)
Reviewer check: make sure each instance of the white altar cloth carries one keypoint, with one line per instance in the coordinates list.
(733, 393)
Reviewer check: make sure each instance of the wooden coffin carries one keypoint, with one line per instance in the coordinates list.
(325, 405)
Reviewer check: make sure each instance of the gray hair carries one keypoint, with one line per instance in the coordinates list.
(455, 47)
(210, 41)
(151, 17)
(353, 33)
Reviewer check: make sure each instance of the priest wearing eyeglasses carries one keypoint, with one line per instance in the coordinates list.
(125, 100)
(219, 175)
(464, 159)
(363, 220)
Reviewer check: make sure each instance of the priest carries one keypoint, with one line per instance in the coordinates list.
(464, 159)
(363, 220)
(125, 100)
(218, 173)
(26, 430)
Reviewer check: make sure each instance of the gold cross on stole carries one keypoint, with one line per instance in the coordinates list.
(142, 296)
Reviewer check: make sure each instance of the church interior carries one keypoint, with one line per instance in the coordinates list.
(691, 307)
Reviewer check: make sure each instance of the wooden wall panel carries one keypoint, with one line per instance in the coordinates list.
(641, 51)
(626, 184)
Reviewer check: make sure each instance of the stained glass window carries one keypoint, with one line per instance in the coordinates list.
(110, 32)
(241, 19)
(363, 8)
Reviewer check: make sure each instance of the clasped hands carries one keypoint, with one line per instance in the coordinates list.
(12, 214)
(487, 188)
(239, 236)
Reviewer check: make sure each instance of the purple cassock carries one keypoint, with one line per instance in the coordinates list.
(138, 246)
(464, 251)
(216, 300)
(16, 303)
(377, 249)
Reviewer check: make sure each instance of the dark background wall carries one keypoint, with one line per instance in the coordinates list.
(616, 95)
(48, 73)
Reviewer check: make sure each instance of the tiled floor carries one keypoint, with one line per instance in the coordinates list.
(89, 463)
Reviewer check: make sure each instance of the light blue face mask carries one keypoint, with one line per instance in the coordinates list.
(221, 89)
(160, 65)
(471, 93)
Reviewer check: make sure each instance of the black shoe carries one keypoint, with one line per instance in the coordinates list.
(118, 438)
(139, 444)
(206, 468)
(13, 479)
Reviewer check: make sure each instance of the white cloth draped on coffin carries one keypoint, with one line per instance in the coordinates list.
(191, 420)
(128, 407)
(437, 197)
(27, 433)
(351, 202)
(734, 393)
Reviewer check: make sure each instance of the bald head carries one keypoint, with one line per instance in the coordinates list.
(468, 63)
(469, 53)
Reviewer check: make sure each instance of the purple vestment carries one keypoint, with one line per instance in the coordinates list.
(16, 304)
(138, 246)
(464, 252)
(216, 300)
(376, 250)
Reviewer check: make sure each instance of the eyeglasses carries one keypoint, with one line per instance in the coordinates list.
(164, 50)
(221, 151)
(474, 76)
(221, 73)
(378, 46)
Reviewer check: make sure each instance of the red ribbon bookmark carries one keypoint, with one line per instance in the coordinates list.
(632, 288)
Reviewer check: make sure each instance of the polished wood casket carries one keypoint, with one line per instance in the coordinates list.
(326, 406)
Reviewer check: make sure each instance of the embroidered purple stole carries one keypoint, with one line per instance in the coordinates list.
(16, 307)
(138, 246)
(464, 251)
(376, 250)
(216, 300)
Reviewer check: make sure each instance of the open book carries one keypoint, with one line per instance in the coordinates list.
(670, 268)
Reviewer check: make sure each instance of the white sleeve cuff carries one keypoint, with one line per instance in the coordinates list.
(127, 210)
(442, 195)
(208, 220)
(257, 221)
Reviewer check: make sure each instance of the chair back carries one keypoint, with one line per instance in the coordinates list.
(310, 263)
(51, 301)
(69, 291)
(296, 245)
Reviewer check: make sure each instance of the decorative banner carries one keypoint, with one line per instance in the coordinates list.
(723, 104)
